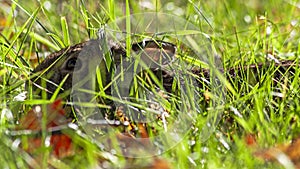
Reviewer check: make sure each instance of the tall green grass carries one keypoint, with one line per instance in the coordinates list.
(243, 33)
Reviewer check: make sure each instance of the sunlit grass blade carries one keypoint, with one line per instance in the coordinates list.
(65, 31)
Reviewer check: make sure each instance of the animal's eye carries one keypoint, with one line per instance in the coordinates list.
(73, 63)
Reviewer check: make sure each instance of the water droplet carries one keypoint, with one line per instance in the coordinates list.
(247, 18)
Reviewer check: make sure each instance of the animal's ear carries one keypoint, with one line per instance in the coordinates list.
(159, 52)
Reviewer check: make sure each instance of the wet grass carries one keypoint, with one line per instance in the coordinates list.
(262, 101)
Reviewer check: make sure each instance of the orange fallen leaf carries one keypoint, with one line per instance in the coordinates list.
(285, 154)
(250, 140)
(61, 143)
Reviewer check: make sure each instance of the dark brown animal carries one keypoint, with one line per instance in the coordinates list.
(60, 67)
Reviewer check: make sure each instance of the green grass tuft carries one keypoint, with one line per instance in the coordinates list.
(263, 101)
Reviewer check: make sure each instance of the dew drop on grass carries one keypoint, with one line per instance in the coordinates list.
(278, 94)
(247, 19)
(205, 149)
(20, 97)
(294, 22)
(268, 30)
(170, 6)
(6, 115)
(47, 5)
(236, 112)
(48, 141)
(191, 142)
(16, 143)
(293, 33)
(192, 161)
(222, 141)
(38, 110)
(272, 57)
(146, 4)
